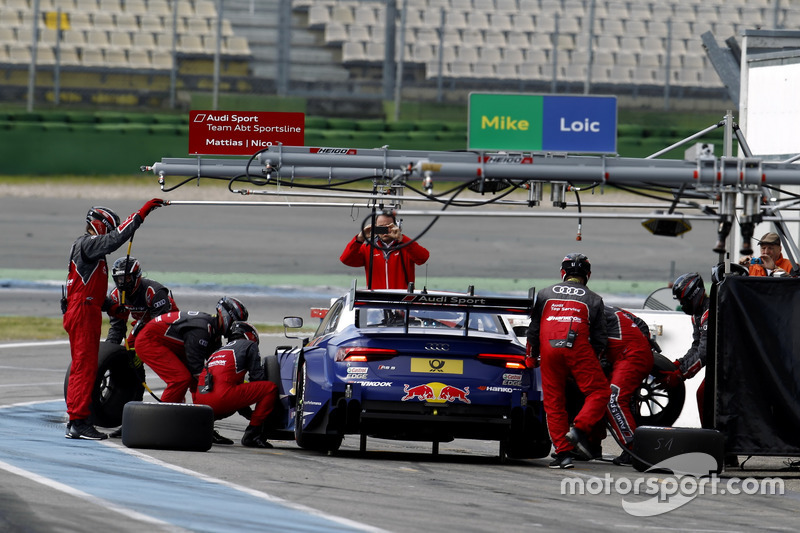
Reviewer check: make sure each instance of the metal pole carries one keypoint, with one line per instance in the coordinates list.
(173, 73)
(284, 40)
(388, 49)
(32, 65)
(588, 84)
(668, 64)
(398, 82)
(440, 58)
(217, 55)
(57, 67)
(555, 56)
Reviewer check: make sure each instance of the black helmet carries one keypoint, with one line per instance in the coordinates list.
(230, 310)
(576, 264)
(127, 274)
(689, 290)
(243, 330)
(718, 271)
(102, 219)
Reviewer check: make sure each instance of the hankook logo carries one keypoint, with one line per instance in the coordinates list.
(437, 347)
(570, 291)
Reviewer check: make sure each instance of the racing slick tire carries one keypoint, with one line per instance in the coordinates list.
(272, 369)
(528, 438)
(655, 404)
(310, 441)
(654, 445)
(168, 426)
(118, 382)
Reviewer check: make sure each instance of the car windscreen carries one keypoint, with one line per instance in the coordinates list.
(429, 319)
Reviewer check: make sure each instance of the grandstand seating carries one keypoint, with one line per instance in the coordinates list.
(112, 33)
(516, 39)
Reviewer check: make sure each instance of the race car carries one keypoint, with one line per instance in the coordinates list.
(412, 365)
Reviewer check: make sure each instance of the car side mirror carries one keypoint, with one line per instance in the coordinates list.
(293, 322)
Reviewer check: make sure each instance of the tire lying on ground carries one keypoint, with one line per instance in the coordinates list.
(168, 426)
(691, 450)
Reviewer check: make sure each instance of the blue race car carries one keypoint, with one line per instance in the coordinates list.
(421, 366)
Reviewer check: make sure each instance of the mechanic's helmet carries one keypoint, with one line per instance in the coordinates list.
(243, 330)
(127, 274)
(102, 219)
(576, 264)
(689, 290)
(230, 310)
(718, 271)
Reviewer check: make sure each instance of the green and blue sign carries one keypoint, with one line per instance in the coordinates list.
(551, 123)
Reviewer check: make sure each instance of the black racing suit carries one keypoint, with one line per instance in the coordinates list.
(149, 300)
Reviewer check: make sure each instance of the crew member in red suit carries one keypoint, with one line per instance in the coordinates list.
(134, 296)
(87, 283)
(567, 334)
(176, 345)
(222, 386)
(388, 254)
(630, 355)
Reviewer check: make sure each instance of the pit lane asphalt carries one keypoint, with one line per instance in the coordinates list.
(396, 486)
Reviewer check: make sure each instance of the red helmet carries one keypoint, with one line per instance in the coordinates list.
(230, 310)
(690, 291)
(102, 219)
(127, 274)
(576, 264)
(243, 330)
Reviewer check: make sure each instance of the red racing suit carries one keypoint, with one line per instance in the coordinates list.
(560, 309)
(87, 283)
(229, 392)
(176, 345)
(149, 300)
(391, 268)
(631, 358)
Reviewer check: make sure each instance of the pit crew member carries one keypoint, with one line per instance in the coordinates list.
(134, 296)
(568, 334)
(87, 283)
(222, 386)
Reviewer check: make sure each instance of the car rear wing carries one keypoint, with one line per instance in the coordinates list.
(501, 305)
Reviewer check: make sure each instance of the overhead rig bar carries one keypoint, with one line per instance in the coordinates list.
(288, 163)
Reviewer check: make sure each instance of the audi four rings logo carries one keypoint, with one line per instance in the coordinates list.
(570, 291)
(437, 347)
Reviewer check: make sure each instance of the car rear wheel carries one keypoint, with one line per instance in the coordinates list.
(655, 404)
(304, 439)
(118, 382)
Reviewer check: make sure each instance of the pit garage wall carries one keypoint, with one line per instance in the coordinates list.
(757, 365)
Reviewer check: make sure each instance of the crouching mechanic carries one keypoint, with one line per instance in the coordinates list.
(87, 283)
(222, 386)
(176, 346)
(630, 355)
(568, 333)
(134, 297)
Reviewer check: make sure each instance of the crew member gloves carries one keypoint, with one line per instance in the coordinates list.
(148, 207)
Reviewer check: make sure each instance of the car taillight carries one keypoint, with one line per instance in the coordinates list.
(512, 361)
(362, 354)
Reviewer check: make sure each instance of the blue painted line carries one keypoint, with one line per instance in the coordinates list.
(32, 440)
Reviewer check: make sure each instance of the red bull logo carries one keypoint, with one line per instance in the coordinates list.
(436, 393)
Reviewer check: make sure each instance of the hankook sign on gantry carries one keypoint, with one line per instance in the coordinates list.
(243, 132)
(534, 122)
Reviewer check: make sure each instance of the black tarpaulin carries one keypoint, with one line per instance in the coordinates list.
(757, 367)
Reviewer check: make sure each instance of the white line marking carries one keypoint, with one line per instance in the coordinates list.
(33, 343)
(89, 498)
